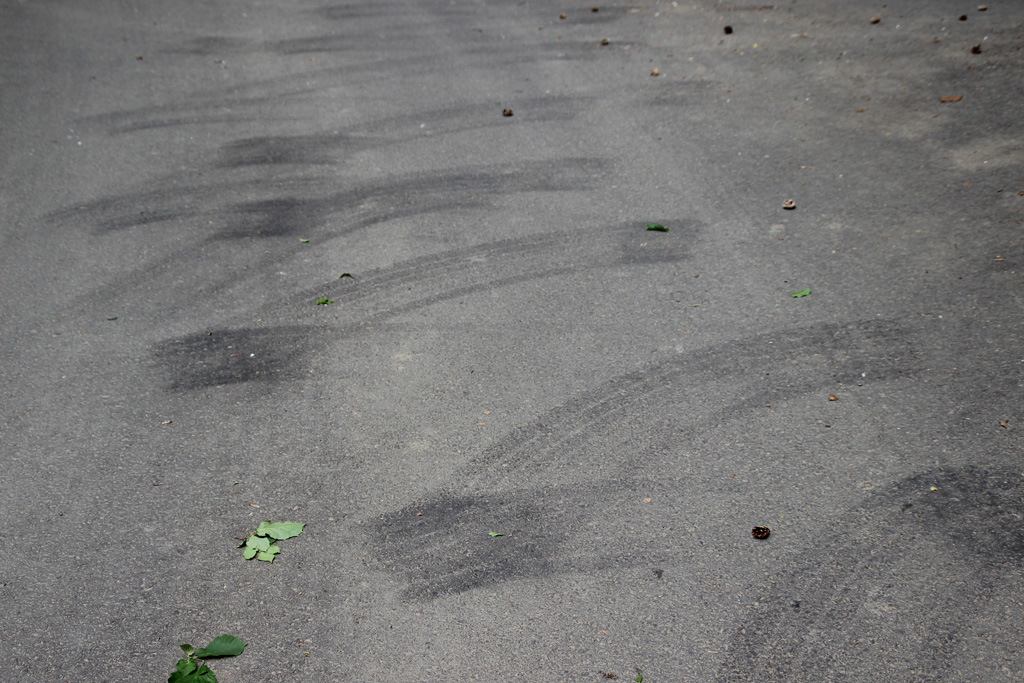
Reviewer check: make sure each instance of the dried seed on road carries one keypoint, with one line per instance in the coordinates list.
(506, 112)
(789, 204)
(655, 72)
(727, 30)
(760, 532)
(833, 397)
(951, 98)
(876, 20)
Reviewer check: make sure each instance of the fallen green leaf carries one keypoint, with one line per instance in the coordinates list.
(495, 533)
(186, 666)
(257, 543)
(347, 275)
(304, 241)
(639, 678)
(268, 554)
(801, 293)
(657, 227)
(279, 530)
(114, 318)
(192, 670)
(225, 645)
(324, 302)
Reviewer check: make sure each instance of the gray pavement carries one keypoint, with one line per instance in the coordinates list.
(180, 183)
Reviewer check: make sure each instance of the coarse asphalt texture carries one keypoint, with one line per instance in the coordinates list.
(501, 346)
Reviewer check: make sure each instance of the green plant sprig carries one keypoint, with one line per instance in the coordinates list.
(192, 669)
(258, 543)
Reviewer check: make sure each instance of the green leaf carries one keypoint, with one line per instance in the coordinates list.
(257, 543)
(268, 555)
(186, 666)
(304, 241)
(279, 530)
(114, 318)
(639, 678)
(495, 533)
(801, 293)
(347, 275)
(657, 227)
(324, 302)
(186, 648)
(201, 674)
(222, 646)
(249, 553)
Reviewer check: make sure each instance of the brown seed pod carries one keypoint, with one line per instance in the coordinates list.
(655, 72)
(506, 112)
(760, 532)
(604, 41)
(789, 204)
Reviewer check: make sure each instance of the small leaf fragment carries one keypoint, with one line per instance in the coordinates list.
(114, 318)
(802, 293)
(639, 678)
(258, 543)
(187, 649)
(268, 555)
(279, 530)
(225, 645)
(304, 241)
(324, 302)
(657, 227)
(249, 553)
(495, 533)
(347, 275)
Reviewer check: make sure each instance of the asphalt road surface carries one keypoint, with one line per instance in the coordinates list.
(502, 347)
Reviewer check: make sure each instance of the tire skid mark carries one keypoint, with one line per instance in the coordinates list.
(499, 263)
(222, 356)
(437, 544)
(232, 218)
(942, 541)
